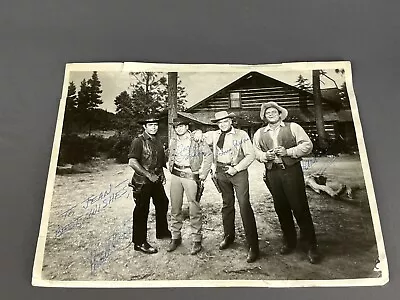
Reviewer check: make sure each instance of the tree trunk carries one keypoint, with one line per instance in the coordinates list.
(172, 101)
(319, 118)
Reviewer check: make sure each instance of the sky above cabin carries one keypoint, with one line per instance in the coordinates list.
(198, 85)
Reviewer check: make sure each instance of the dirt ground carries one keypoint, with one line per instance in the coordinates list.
(89, 232)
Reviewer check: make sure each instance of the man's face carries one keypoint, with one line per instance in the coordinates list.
(272, 115)
(151, 128)
(181, 129)
(225, 124)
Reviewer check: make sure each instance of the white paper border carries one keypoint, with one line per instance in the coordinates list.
(155, 67)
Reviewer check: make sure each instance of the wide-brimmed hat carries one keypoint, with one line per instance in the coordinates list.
(179, 121)
(222, 115)
(265, 106)
(149, 119)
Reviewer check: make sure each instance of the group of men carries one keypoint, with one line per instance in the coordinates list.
(226, 153)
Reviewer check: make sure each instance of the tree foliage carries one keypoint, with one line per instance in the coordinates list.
(88, 100)
(152, 89)
(70, 108)
(94, 91)
(72, 99)
(83, 97)
(148, 95)
(303, 84)
(82, 112)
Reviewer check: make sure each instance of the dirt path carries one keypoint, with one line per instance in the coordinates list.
(90, 231)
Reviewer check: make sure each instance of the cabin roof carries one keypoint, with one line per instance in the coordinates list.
(330, 96)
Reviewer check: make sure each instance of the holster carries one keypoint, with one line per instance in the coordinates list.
(136, 188)
(200, 189)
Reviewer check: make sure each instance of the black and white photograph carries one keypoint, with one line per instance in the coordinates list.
(173, 175)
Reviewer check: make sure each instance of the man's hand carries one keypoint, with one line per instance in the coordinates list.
(231, 171)
(202, 177)
(281, 151)
(270, 155)
(152, 177)
(197, 135)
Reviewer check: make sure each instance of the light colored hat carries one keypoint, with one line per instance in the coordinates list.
(265, 106)
(222, 115)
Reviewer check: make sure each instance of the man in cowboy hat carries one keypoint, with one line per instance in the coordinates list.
(280, 146)
(233, 153)
(147, 159)
(189, 163)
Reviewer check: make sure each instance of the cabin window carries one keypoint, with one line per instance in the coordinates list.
(235, 100)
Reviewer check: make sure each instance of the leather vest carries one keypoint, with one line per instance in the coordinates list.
(285, 138)
(149, 158)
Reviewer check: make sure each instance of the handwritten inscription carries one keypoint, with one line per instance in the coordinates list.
(92, 206)
(308, 163)
(103, 254)
(185, 153)
(236, 144)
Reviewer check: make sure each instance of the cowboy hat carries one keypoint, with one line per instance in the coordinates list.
(149, 119)
(265, 106)
(222, 115)
(179, 121)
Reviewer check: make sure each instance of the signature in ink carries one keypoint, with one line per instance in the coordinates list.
(236, 144)
(92, 205)
(100, 257)
(307, 164)
(186, 154)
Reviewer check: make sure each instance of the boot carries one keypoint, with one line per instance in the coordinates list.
(174, 244)
(226, 242)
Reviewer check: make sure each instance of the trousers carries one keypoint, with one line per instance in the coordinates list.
(180, 185)
(239, 183)
(289, 195)
(141, 211)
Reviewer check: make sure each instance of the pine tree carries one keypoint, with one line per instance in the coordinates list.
(82, 104)
(152, 88)
(70, 108)
(303, 84)
(94, 99)
(125, 114)
(94, 91)
(72, 102)
(149, 95)
(181, 97)
(83, 97)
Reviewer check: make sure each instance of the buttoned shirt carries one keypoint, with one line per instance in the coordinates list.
(237, 149)
(182, 150)
(303, 143)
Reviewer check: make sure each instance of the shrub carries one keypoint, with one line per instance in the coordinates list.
(74, 149)
(121, 147)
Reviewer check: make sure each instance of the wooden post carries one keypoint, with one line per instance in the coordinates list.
(252, 131)
(172, 101)
(319, 117)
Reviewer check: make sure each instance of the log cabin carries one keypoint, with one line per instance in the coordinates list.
(245, 95)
